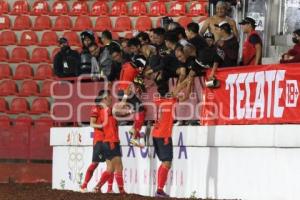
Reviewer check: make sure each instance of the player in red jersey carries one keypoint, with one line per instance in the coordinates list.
(111, 143)
(98, 155)
(130, 70)
(162, 133)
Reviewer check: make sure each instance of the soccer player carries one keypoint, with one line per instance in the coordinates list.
(162, 134)
(98, 156)
(111, 143)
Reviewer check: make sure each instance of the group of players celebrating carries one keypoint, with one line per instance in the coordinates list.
(158, 64)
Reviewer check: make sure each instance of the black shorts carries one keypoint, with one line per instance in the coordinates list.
(98, 155)
(109, 153)
(163, 151)
(132, 100)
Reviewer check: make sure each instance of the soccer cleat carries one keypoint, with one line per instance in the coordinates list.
(83, 189)
(161, 194)
(110, 192)
(97, 189)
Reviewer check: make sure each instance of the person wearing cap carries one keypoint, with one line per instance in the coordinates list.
(195, 38)
(221, 15)
(227, 48)
(87, 38)
(293, 55)
(252, 47)
(66, 62)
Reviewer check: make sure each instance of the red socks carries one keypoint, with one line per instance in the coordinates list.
(110, 183)
(89, 174)
(120, 182)
(138, 122)
(162, 176)
(104, 177)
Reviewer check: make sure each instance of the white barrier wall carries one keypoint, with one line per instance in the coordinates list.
(225, 162)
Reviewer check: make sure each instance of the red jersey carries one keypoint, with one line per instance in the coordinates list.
(127, 75)
(98, 133)
(164, 125)
(249, 50)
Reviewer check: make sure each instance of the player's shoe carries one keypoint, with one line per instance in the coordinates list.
(110, 192)
(97, 189)
(161, 194)
(83, 189)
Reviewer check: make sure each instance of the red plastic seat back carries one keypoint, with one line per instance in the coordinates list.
(4, 122)
(49, 38)
(5, 71)
(24, 121)
(23, 71)
(28, 38)
(177, 8)
(3, 54)
(29, 88)
(119, 8)
(20, 7)
(22, 22)
(72, 38)
(123, 24)
(39, 55)
(158, 9)
(143, 23)
(198, 8)
(8, 38)
(4, 22)
(44, 71)
(60, 8)
(46, 88)
(19, 105)
(40, 7)
(19, 54)
(103, 23)
(3, 106)
(138, 8)
(79, 8)
(62, 23)
(184, 21)
(42, 23)
(82, 23)
(40, 105)
(99, 8)
(4, 7)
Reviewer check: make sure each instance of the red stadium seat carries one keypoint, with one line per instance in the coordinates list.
(5, 71)
(82, 23)
(4, 123)
(119, 8)
(138, 8)
(20, 7)
(184, 21)
(46, 89)
(3, 54)
(40, 139)
(128, 35)
(40, 55)
(28, 38)
(19, 54)
(4, 7)
(198, 8)
(158, 9)
(24, 121)
(3, 105)
(44, 71)
(8, 38)
(23, 71)
(62, 23)
(177, 8)
(103, 23)
(39, 106)
(22, 22)
(4, 22)
(123, 24)
(8, 87)
(60, 8)
(18, 105)
(72, 38)
(143, 23)
(29, 88)
(79, 8)
(115, 35)
(40, 7)
(42, 23)
(49, 38)
(99, 8)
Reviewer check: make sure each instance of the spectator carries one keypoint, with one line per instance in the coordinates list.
(181, 35)
(207, 56)
(134, 46)
(125, 48)
(165, 22)
(151, 36)
(293, 55)
(194, 37)
(227, 48)
(66, 61)
(220, 16)
(144, 38)
(173, 25)
(252, 48)
(87, 38)
(159, 40)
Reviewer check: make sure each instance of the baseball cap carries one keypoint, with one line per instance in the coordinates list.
(62, 40)
(224, 25)
(209, 35)
(248, 20)
(139, 61)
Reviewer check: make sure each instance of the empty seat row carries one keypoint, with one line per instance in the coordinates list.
(20, 54)
(158, 8)
(20, 105)
(25, 71)
(27, 88)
